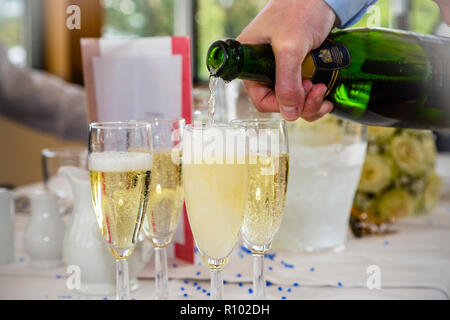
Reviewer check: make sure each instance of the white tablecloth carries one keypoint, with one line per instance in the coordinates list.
(414, 264)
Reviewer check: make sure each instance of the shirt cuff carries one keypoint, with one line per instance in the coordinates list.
(349, 12)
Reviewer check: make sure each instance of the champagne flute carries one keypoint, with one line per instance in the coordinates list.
(215, 186)
(120, 163)
(166, 196)
(268, 177)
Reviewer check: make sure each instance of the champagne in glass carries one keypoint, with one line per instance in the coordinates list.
(268, 178)
(266, 200)
(166, 196)
(215, 186)
(120, 163)
(119, 184)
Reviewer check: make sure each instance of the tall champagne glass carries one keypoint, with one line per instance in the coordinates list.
(166, 196)
(215, 184)
(120, 163)
(268, 177)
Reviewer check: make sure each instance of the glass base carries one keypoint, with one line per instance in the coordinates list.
(104, 289)
(324, 246)
(336, 248)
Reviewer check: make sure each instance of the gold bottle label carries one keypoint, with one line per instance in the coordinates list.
(322, 65)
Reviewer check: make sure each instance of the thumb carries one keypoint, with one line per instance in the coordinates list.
(289, 90)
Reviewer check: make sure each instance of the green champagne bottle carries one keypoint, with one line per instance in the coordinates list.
(377, 77)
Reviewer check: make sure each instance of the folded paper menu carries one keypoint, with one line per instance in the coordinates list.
(141, 78)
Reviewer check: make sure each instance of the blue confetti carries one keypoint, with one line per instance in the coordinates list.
(239, 275)
(280, 289)
(225, 281)
(386, 243)
(250, 290)
(197, 273)
(186, 281)
(198, 288)
(185, 295)
(21, 259)
(287, 265)
(283, 298)
(270, 268)
(208, 294)
(240, 284)
(312, 269)
(105, 298)
(195, 249)
(268, 283)
(295, 284)
(175, 265)
(244, 248)
(270, 256)
(339, 284)
(204, 290)
(182, 288)
(58, 276)
(195, 284)
(289, 290)
(133, 298)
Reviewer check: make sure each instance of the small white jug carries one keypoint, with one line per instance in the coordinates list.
(45, 231)
(85, 247)
(6, 227)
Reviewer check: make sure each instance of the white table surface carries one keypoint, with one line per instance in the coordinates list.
(414, 264)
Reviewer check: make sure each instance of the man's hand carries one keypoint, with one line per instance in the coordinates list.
(293, 28)
(444, 5)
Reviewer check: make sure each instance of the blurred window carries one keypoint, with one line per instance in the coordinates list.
(218, 19)
(12, 26)
(138, 18)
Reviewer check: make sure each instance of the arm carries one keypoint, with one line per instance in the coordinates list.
(294, 28)
(42, 101)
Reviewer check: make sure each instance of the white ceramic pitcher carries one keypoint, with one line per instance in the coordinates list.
(84, 245)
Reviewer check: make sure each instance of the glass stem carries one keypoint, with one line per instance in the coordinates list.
(216, 284)
(161, 280)
(259, 283)
(122, 280)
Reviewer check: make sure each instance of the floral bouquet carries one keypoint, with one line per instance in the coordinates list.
(398, 179)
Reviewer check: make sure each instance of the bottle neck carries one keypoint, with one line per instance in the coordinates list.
(230, 60)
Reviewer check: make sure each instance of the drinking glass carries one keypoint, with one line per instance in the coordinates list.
(166, 196)
(120, 162)
(268, 177)
(52, 160)
(215, 185)
(327, 156)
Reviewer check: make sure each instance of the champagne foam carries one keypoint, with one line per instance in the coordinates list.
(119, 161)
